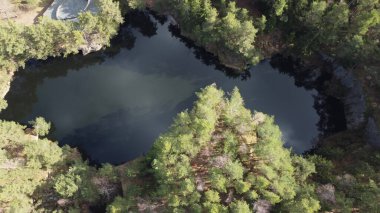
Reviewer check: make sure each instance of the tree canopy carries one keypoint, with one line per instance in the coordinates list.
(51, 38)
(219, 157)
(219, 26)
(38, 175)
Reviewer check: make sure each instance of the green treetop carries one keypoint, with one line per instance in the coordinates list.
(220, 158)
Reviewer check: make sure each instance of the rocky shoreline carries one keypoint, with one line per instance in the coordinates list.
(347, 88)
(84, 50)
(353, 98)
(355, 103)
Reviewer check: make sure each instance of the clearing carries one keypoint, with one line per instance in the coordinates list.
(11, 11)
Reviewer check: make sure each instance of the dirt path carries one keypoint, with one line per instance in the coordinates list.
(10, 11)
(7, 10)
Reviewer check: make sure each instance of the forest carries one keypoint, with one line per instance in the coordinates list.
(218, 156)
(51, 38)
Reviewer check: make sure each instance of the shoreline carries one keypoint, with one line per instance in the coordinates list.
(354, 99)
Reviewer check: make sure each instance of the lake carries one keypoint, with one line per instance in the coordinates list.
(114, 103)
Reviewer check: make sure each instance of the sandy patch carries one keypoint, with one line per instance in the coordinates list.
(12, 12)
(7, 10)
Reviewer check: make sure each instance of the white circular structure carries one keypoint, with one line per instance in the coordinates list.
(69, 9)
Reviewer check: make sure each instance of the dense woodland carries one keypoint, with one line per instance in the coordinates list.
(218, 156)
(348, 30)
(19, 43)
(37, 174)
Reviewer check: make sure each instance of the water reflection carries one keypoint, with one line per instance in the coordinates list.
(114, 103)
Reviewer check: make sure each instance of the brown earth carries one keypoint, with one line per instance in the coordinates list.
(10, 11)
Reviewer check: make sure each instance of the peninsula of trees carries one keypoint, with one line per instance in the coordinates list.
(219, 157)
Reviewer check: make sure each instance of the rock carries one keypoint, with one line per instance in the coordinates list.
(5, 87)
(250, 138)
(354, 101)
(221, 161)
(327, 193)
(89, 48)
(314, 75)
(346, 179)
(229, 197)
(172, 20)
(355, 107)
(258, 118)
(200, 184)
(373, 133)
(147, 205)
(63, 202)
(31, 134)
(105, 187)
(13, 163)
(243, 149)
(262, 206)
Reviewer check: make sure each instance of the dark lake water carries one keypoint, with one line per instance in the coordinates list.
(113, 104)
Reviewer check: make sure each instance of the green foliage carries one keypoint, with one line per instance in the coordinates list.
(344, 203)
(42, 153)
(27, 4)
(11, 134)
(306, 201)
(12, 46)
(240, 164)
(218, 181)
(17, 184)
(230, 144)
(40, 126)
(19, 43)
(221, 26)
(275, 161)
(364, 195)
(242, 187)
(303, 168)
(136, 4)
(347, 30)
(76, 182)
(279, 6)
(174, 201)
(240, 206)
(119, 205)
(101, 27)
(260, 23)
(252, 195)
(3, 104)
(17, 187)
(214, 207)
(255, 165)
(234, 112)
(240, 33)
(67, 185)
(234, 170)
(31, 168)
(324, 168)
(212, 196)
(108, 171)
